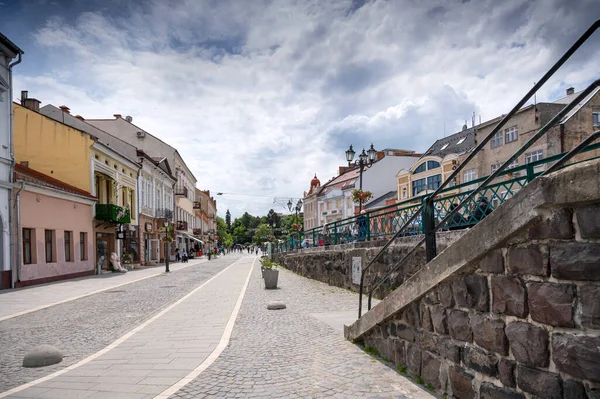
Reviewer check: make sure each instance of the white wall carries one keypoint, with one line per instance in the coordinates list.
(381, 177)
(5, 141)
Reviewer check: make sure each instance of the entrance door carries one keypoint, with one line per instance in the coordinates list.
(103, 252)
(154, 250)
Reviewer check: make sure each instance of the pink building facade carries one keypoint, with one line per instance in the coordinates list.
(55, 231)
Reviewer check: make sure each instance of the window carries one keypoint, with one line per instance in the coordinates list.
(510, 134)
(421, 168)
(534, 156)
(433, 182)
(497, 140)
(469, 175)
(432, 165)
(444, 146)
(596, 118)
(419, 185)
(83, 246)
(27, 255)
(495, 167)
(68, 250)
(513, 164)
(461, 141)
(49, 245)
(404, 192)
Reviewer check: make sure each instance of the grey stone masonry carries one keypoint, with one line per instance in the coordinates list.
(512, 308)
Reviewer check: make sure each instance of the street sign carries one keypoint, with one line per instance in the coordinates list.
(356, 269)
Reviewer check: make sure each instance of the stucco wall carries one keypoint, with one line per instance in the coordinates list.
(42, 212)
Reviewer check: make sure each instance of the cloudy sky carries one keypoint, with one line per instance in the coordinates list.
(260, 95)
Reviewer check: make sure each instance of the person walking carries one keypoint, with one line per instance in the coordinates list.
(177, 255)
(184, 257)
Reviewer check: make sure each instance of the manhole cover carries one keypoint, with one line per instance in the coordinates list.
(114, 291)
(168, 286)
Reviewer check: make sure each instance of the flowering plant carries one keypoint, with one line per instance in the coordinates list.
(360, 195)
(296, 226)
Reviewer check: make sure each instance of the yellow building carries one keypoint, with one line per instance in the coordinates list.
(83, 161)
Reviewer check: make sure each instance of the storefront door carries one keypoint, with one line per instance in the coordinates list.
(154, 250)
(103, 250)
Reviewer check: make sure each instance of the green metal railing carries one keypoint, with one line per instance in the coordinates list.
(113, 213)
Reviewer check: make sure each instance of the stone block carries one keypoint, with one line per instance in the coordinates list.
(529, 344)
(558, 226)
(489, 333)
(450, 349)
(481, 361)
(438, 319)
(526, 260)
(459, 326)
(492, 262)
(506, 372)
(489, 391)
(589, 297)
(578, 356)
(509, 296)
(405, 332)
(42, 355)
(551, 303)
(471, 292)
(432, 298)
(399, 352)
(445, 295)
(574, 390)
(426, 317)
(542, 384)
(413, 359)
(462, 383)
(588, 220)
(592, 393)
(411, 315)
(431, 370)
(428, 342)
(575, 261)
(275, 305)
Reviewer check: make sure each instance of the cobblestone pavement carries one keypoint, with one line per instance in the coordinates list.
(291, 353)
(86, 325)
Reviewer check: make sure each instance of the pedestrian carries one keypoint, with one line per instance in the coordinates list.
(184, 257)
(483, 208)
(361, 221)
(177, 255)
(256, 251)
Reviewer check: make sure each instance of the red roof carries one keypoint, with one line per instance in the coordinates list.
(29, 175)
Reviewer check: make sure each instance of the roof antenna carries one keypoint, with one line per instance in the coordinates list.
(444, 128)
(473, 120)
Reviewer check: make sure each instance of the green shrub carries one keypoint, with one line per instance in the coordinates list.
(371, 351)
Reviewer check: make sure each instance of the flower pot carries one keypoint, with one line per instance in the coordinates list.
(270, 276)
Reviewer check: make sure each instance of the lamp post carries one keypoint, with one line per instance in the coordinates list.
(364, 160)
(167, 246)
(297, 208)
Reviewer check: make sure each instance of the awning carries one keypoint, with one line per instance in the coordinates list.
(191, 237)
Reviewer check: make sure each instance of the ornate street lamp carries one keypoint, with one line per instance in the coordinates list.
(167, 246)
(364, 160)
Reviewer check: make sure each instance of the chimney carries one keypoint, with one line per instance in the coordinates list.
(117, 116)
(570, 90)
(24, 94)
(65, 109)
(380, 155)
(79, 117)
(342, 169)
(30, 103)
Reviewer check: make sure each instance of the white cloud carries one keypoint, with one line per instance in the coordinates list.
(258, 96)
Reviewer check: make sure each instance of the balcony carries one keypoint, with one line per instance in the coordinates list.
(163, 213)
(183, 191)
(113, 213)
(197, 232)
(181, 225)
(197, 205)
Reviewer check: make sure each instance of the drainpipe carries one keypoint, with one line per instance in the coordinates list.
(13, 161)
(18, 259)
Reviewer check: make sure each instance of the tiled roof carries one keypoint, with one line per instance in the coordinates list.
(457, 143)
(380, 201)
(29, 175)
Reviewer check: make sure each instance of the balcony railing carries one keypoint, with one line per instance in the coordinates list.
(197, 232)
(183, 191)
(197, 205)
(113, 213)
(181, 225)
(164, 213)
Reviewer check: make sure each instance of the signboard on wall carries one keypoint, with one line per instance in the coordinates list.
(356, 269)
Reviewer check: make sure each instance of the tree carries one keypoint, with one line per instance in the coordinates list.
(273, 219)
(221, 230)
(228, 220)
(263, 234)
(240, 234)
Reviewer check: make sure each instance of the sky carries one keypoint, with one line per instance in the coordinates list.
(259, 96)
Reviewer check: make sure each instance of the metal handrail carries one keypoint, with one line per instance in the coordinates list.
(473, 153)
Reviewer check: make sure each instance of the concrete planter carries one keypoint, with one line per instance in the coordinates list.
(270, 276)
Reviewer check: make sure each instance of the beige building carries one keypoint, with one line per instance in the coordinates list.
(310, 204)
(206, 216)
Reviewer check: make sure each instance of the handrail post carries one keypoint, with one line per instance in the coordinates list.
(314, 237)
(368, 230)
(428, 227)
(335, 233)
(530, 172)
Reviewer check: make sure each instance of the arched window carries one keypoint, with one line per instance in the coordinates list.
(432, 165)
(421, 168)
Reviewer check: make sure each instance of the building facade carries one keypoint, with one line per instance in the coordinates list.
(8, 53)
(54, 227)
(206, 214)
(310, 204)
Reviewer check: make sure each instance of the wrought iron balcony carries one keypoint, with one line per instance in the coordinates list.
(164, 213)
(197, 232)
(181, 225)
(113, 213)
(197, 205)
(183, 191)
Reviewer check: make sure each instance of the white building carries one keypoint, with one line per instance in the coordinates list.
(8, 52)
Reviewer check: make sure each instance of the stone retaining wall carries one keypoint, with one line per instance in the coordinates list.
(333, 264)
(524, 324)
